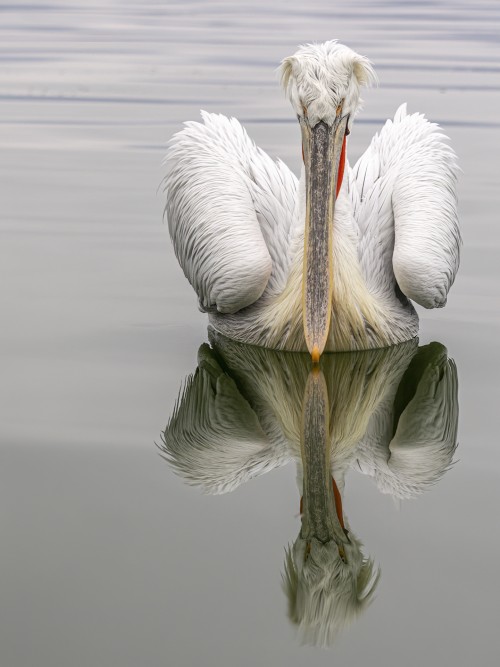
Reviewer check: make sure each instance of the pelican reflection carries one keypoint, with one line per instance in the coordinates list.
(390, 413)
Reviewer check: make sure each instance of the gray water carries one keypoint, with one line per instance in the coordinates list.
(107, 557)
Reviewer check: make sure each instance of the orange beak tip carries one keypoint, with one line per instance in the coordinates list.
(315, 354)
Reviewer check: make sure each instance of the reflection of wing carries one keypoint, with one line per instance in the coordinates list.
(214, 438)
(240, 414)
(274, 382)
(410, 444)
(230, 210)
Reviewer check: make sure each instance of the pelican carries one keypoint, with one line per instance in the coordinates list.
(334, 260)
(389, 413)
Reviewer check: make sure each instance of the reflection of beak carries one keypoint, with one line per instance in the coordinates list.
(324, 155)
(321, 505)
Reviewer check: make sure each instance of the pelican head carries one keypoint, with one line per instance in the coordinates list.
(323, 84)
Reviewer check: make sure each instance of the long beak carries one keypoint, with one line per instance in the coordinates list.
(323, 147)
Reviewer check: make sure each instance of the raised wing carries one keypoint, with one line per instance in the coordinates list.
(230, 209)
(403, 191)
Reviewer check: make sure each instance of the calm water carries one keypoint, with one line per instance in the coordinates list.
(108, 557)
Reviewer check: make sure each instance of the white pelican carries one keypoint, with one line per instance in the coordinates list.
(390, 413)
(330, 261)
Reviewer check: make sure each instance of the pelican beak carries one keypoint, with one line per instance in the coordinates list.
(324, 155)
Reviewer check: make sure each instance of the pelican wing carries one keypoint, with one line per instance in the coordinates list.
(230, 209)
(404, 200)
(213, 438)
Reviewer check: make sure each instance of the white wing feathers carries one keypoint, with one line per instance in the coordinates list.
(230, 209)
(405, 184)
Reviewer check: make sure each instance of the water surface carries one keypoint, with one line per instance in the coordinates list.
(108, 557)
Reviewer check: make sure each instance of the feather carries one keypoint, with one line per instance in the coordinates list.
(229, 208)
(406, 209)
